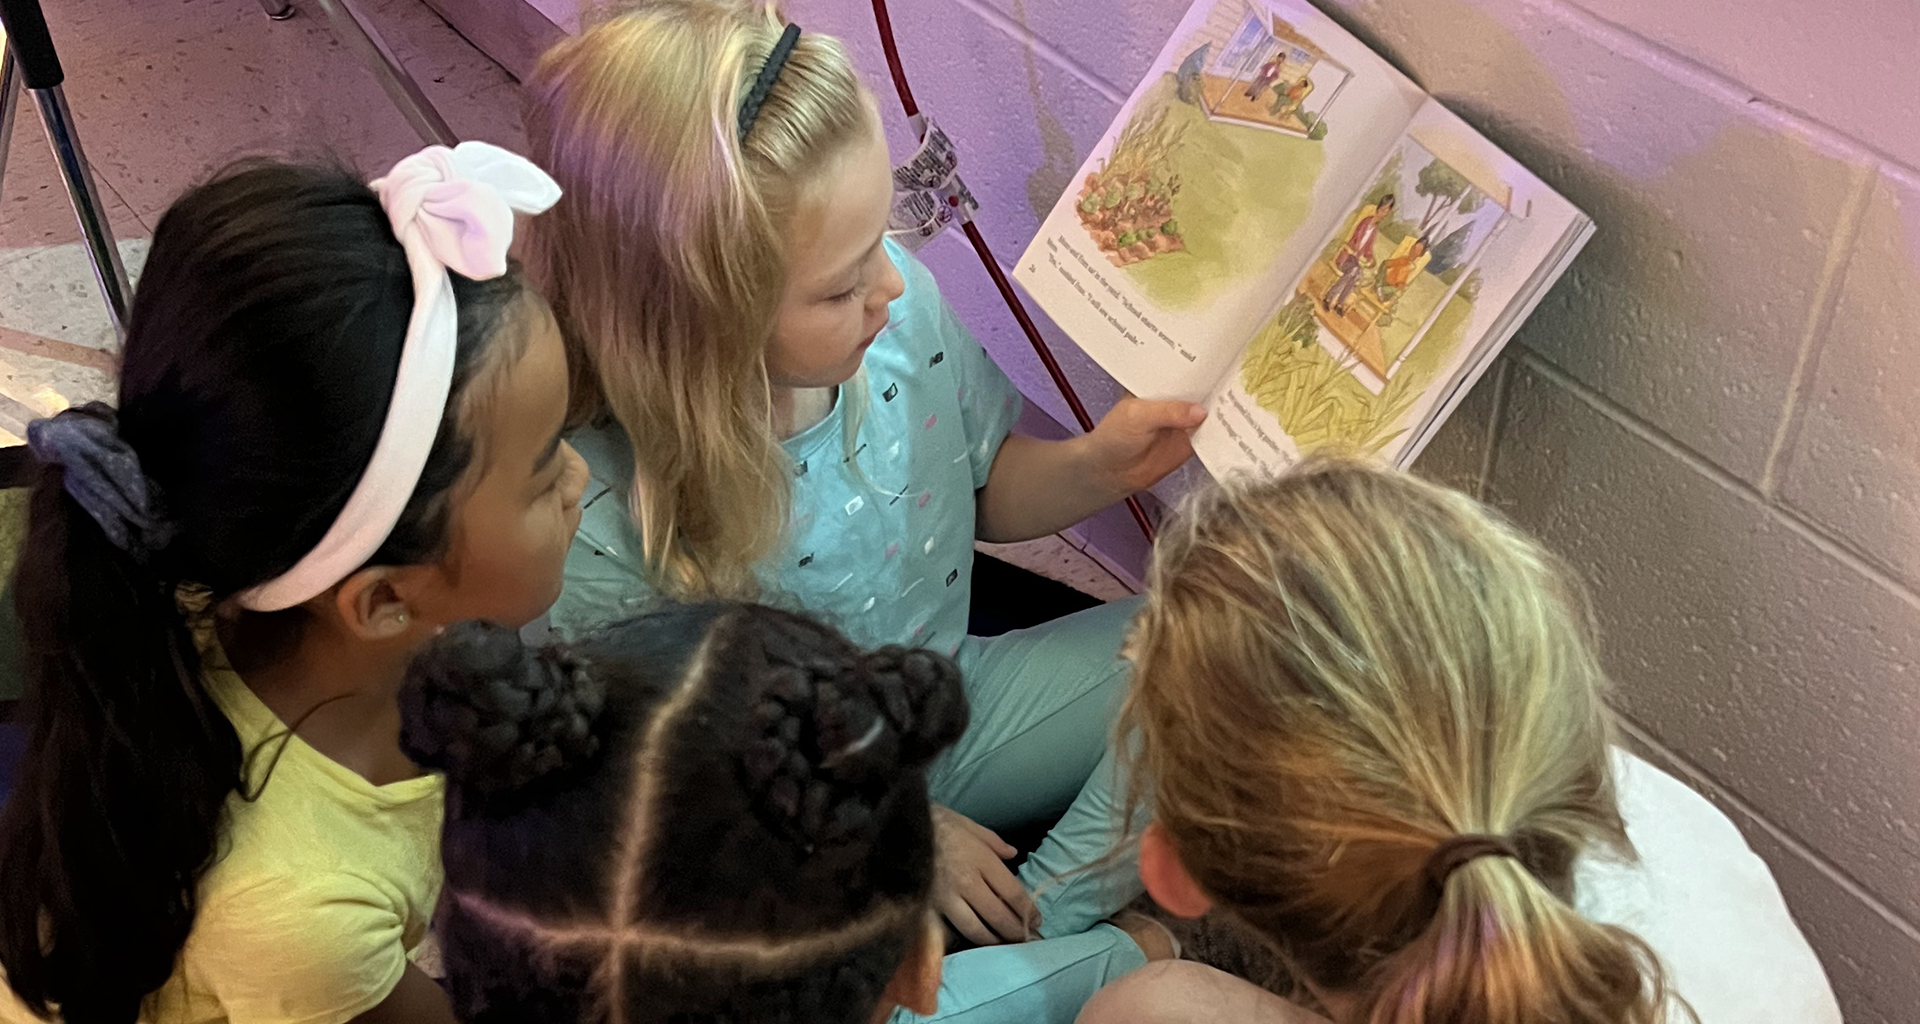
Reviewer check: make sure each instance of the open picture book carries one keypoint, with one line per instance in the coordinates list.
(1283, 227)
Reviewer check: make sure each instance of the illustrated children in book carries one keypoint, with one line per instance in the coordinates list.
(1356, 256)
(1409, 258)
(776, 402)
(1287, 102)
(1267, 75)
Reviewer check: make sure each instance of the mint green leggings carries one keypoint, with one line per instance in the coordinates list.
(1043, 703)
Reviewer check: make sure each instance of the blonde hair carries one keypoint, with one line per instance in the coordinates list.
(665, 258)
(1339, 670)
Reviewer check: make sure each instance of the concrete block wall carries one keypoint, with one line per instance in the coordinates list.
(1713, 416)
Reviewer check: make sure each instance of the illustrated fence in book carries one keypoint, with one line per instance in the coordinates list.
(1282, 226)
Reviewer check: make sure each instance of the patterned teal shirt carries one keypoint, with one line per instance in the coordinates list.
(887, 558)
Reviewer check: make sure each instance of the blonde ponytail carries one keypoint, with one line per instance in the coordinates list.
(1376, 733)
(665, 258)
(1502, 949)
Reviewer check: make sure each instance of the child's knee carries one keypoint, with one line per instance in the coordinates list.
(1163, 992)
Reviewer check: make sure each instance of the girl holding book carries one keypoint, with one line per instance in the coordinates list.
(775, 400)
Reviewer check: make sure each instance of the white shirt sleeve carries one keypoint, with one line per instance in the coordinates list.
(1707, 904)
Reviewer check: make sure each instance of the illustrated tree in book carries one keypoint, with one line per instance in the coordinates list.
(1449, 251)
(1447, 192)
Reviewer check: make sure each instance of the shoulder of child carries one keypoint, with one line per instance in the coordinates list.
(920, 323)
(318, 946)
(1707, 904)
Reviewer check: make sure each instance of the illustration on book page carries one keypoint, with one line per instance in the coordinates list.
(1220, 155)
(1383, 310)
(1222, 176)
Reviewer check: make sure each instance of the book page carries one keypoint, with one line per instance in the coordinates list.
(1249, 136)
(1424, 277)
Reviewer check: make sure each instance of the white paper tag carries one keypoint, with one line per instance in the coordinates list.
(928, 193)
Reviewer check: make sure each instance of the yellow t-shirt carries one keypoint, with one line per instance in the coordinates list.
(321, 889)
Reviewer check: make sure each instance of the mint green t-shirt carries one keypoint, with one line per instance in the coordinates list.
(887, 558)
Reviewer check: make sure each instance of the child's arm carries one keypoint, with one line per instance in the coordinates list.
(416, 1000)
(322, 948)
(1040, 487)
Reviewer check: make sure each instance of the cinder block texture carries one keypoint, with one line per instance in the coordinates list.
(1690, 305)
(1458, 452)
(1873, 960)
(1734, 638)
(1856, 467)
(1858, 948)
(1866, 77)
(1114, 46)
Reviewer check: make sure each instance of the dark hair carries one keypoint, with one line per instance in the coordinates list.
(260, 358)
(713, 813)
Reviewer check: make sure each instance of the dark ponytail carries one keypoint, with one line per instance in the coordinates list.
(127, 767)
(261, 354)
(743, 783)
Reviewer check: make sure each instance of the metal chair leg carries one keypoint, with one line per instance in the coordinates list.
(32, 62)
(278, 10)
(9, 102)
(107, 270)
(353, 29)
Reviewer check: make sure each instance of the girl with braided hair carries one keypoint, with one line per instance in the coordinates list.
(1377, 736)
(710, 813)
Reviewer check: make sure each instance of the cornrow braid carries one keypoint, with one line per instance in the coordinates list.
(833, 726)
(495, 715)
(711, 813)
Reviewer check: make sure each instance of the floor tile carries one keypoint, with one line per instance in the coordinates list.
(50, 291)
(165, 92)
(1057, 559)
(34, 209)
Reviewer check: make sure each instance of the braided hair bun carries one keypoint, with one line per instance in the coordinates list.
(496, 715)
(836, 727)
(754, 829)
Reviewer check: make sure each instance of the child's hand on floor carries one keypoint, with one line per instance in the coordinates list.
(975, 891)
(1139, 441)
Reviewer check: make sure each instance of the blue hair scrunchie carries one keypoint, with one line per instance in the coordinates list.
(102, 474)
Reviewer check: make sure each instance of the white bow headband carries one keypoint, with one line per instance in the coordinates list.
(452, 209)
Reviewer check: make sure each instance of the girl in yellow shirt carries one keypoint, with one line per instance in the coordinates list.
(337, 431)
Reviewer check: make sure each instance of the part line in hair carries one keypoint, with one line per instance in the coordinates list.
(644, 941)
(634, 837)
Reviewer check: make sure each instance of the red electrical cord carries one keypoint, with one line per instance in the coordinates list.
(1000, 281)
